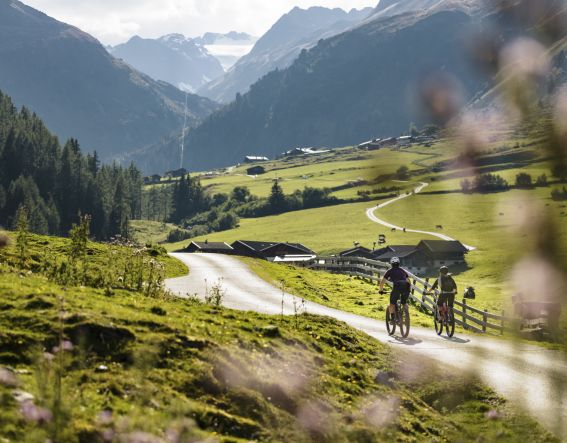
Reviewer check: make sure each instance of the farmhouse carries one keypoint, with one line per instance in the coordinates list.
(256, 170)
(303, 151)
(152, 179)
(273, 251)
(209, 247)
(427, 255)
(255, 159)
(176, 173)
(359, 252)
(405, 140)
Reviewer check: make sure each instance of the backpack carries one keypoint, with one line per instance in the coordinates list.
(469, 293)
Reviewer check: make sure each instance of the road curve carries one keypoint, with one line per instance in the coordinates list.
(531, 376)
(370, 214)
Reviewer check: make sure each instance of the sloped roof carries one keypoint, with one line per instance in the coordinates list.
(442, 246)
(400, 251)
(259, 246)
(220, 246)
(357, 249)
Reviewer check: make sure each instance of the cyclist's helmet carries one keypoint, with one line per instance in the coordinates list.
(395, 261)
(444, 270)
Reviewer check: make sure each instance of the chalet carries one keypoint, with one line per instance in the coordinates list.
(152, 179)
(443, 253)
(410, 257)
(303, 151)
(256, 170)
(209, 247)
(272, 251)
(405, 140)
(426, 256)
(358, 252)
(176, 173)
(255, 159)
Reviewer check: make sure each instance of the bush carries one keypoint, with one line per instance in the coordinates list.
(542, 181)
(490, 183)
(524, 180)
(177, 235)
(559, 195)
(403, 173)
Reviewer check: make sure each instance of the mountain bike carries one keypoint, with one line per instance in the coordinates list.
(444, 319)
(400, 318)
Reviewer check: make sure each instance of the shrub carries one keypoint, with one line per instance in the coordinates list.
(177, 235)
(490, 183)
(524, 180)
(542, 180)
(403, 173)
(559, 195)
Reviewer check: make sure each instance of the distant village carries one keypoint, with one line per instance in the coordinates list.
(426, 256)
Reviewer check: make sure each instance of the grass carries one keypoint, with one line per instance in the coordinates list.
(325, 230)
(341, 292)
(148, 231)
(158, 366)
(332, 170)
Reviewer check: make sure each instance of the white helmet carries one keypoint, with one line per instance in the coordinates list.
(395, 261)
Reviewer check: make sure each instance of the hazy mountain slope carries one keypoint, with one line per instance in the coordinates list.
(347, 89)
(80, 90)
(280, 46)
(171, 58)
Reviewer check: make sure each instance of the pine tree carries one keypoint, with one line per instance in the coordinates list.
(277, 198)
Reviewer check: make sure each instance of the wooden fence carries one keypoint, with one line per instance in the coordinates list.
(467, 316)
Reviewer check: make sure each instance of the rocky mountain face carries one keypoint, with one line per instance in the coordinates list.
(70, 80)
(280, 46)
(172, 58)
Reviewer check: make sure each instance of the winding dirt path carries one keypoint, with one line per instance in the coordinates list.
(370, 214)
(530, 376)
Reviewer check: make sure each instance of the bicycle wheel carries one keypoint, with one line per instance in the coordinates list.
(391, 327)
(438, 321)
(404, 321)
(450, 325)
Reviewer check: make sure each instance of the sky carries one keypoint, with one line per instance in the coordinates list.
(115, 21)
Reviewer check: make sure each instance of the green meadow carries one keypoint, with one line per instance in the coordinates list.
(80, 364)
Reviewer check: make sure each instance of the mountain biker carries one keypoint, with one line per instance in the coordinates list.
(448, 288)
(400, 284)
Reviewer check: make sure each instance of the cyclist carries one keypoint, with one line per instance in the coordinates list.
(400, 285)
(448, 288)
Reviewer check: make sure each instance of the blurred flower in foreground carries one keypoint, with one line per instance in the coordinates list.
(442, 97)
(34, 413)
(314, 417)
(381, 412)
(524, 66)
(8, 378)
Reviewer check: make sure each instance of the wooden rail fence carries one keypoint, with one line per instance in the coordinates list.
(467, 316)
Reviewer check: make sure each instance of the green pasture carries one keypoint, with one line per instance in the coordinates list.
(325, 172)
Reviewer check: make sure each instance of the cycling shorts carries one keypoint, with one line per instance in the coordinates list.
(401, 291)
(446, 297)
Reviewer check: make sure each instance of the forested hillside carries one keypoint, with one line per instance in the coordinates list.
(55, 183)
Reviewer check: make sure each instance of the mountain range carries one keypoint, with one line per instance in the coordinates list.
(279, 47)
(69, 79)
(348, 88)
(172, 58)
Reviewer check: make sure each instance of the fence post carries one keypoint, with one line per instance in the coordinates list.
(484, 320)
(465, 314)
(413, 287)
(502, 325)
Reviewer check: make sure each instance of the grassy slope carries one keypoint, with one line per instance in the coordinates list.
(238, 376)
(147, 231)
(325, 171)
(325, 230)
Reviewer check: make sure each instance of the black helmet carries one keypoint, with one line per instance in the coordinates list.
(444, 270)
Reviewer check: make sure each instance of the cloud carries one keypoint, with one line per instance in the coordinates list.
(114, 21)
